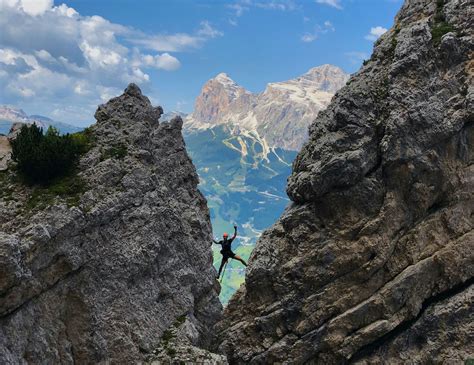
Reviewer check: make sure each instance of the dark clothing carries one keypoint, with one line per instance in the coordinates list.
(226, 250)
(226, 244)
(227, 254)
(226, 247)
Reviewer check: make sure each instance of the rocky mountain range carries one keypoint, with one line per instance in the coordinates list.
(10, 115)
(280, 114)
(243, 145)
(373, 262)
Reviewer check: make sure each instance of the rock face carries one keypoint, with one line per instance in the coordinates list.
(170, 115)
(5, 145)
(374, 260)
(5, 152)
(280, 115)
(176, 349)
(218, 97)
(102, 277)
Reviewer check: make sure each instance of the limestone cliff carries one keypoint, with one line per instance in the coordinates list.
(374, 260)
(99, 277)
(5, 152)
(279, 115)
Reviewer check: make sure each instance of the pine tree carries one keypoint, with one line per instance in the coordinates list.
(44, 157)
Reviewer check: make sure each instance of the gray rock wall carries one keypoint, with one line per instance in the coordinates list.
(5, 152)
(374, 260)
(101, 278)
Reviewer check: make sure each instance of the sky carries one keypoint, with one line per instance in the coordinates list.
(63, 58)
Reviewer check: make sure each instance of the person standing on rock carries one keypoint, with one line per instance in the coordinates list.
(226, 250)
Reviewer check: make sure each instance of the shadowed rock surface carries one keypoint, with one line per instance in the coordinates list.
(101, 278)
(374, 260)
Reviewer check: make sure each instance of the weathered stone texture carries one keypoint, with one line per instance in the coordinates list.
(102, 280)
(362, 266)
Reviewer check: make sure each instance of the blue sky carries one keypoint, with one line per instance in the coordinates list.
(68, 56)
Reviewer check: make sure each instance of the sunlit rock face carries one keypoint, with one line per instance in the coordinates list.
(373, 262)
(280, 115)
(101, 277)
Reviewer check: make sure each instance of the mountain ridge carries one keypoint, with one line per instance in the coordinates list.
(10, 115)
(280, 114)
(242, 170)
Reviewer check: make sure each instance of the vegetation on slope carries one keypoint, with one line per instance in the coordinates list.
(46, 166)
(41, 158)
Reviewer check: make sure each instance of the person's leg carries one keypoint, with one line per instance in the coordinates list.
(237, 257)
(224, 260)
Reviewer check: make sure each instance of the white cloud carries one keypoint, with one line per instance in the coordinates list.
(63, 9)
(318, 30)
(308, 37)
(31, 7)
(167, 62)
(167, 43)
(275, 5)
(208, 31)
(164, 61)
(175, 42)
(100, 57)
(334, 3)
(58, 57)
(238, 9)
(328, 26)
(375, 33)
(81, 88)
(241, 6)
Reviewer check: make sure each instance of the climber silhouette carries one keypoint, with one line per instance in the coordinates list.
(226, 250)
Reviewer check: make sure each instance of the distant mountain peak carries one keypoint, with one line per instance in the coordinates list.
(216, 96)
(224, 81)
(327, 78)
(224, 78)
(11, 114)
(325, 67)
(280, 114)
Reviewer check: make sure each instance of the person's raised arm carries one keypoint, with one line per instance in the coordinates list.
(235, 232)
(216, 242)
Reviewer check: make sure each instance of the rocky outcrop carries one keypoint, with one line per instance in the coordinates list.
(5, 145)
(5, 152)
(175, 348)
(99, 275)
(280, 115)
(374, 260)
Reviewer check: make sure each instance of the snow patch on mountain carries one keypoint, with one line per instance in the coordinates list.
(10, 115)
(280, 115)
